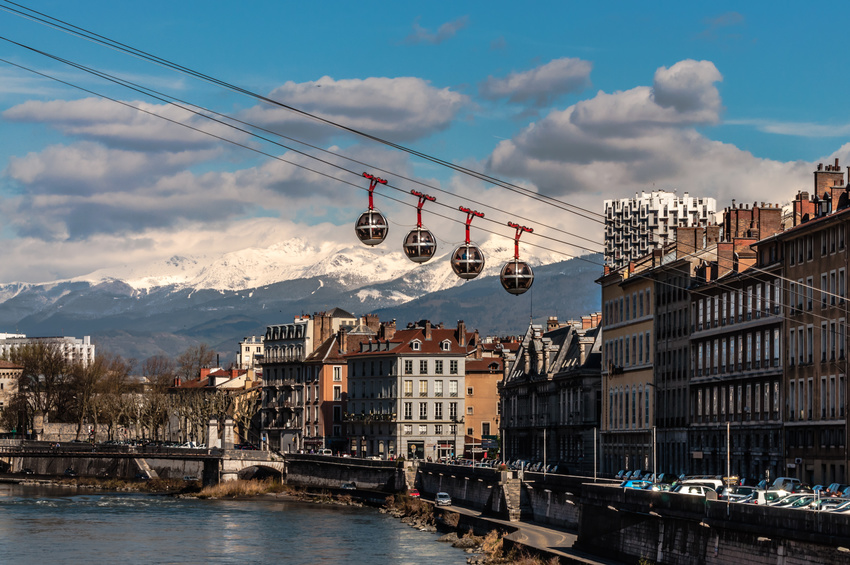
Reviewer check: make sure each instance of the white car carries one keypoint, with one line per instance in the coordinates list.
(443, 499)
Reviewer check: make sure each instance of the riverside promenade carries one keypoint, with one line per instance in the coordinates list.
(545, 540)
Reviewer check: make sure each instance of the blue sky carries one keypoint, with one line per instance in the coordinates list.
(728, 100)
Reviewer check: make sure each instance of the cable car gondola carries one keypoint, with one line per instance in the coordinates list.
(372, 227)
(420, 244)
(517, 276)
(467, 259)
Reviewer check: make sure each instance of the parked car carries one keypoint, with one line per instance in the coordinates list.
(765, 497)
(826, 504)
(793, 501)
(325, 452)
(413, 492)
(642, 485)
(443, 499)
(349, 486)
(27, 471)
(190, 478)
(835, 489)
(785, 483)
(69, 472)
(734, 494)
(695, 489)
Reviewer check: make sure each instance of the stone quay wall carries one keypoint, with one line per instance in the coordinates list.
(677, 529)
(326, 471)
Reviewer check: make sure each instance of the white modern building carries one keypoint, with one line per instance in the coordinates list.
(74, 349)
(636, 226)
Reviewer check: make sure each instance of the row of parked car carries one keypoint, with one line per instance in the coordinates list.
(784, 492)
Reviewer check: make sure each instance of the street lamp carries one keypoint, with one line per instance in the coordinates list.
(654, 442)
(455, 422)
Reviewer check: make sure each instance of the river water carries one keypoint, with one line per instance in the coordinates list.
(47, 525)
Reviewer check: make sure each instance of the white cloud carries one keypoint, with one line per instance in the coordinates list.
(615, 144)
(542, 84)
(145, 127)
(400, 109)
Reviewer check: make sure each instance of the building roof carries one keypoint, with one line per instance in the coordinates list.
(402, 343)
(484, 365)
(9, 365)
(339, 313)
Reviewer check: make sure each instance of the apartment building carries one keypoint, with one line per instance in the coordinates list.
(287, 384)
(405, 392)
(551, 396)
(815, 265)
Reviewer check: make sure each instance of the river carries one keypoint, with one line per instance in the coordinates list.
(47, 525)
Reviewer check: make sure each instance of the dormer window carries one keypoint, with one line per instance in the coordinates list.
(416, 345)
(446, 345)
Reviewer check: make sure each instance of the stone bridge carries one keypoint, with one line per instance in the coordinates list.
(128, 462)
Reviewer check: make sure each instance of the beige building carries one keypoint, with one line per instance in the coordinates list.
(628, 347)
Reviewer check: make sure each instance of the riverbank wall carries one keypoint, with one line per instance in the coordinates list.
(326, 471)
(677, 529)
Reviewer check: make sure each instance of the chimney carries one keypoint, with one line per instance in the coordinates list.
(427, 330)
(461, 333)
(586, 322)
(387, 330)
(552, 323)
(342, 339)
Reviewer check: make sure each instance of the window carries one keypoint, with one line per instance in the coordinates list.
(423, 388)
(408, 366)
(408, 429)
(438, 429)
(453, 388)
(337, 374)
(438, 367)
(438, 388)
(453, 411)
(423, 410)
(469, 410)
(453, 367)
(337, 392)
(408, 388)
(446, 345)
(485, 428)
(416, 345)
(438, 411)
(408, 410)
(469, 391)
(810, 290)
(470, 431)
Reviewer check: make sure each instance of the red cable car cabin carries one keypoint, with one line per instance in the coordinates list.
(467, 258)
(517, 276)
(420, 244)
(372, 227)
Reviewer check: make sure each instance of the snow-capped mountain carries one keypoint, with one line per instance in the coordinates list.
(169, 305)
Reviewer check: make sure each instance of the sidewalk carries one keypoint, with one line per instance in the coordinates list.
(543, 538)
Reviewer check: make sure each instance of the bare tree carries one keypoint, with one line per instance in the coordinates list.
(191, 361)
(42, 384)
(91, 385)
(159, 371)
